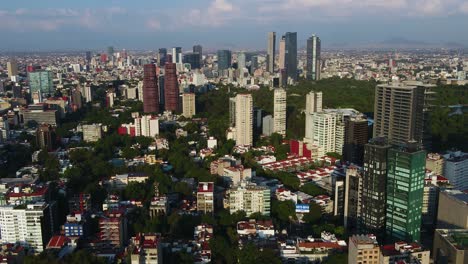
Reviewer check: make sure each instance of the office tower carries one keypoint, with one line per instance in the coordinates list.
(241, 61)
(45, 137)
(224, 60)
(161, 92)
(188, 105)
(435, 163)
(290, 39)
(199, 49)
(205, 197)
(398, 112)
(371, 219)
(32, 224)
(249, 198)
(456, 169)
(356, 136)
(352, 198)
(257, 120)
(452, 211)
(171, 88)
(321, 131)
(405, 185)
(271, 50)
(193, 59)
(279, 111)
(253, 64)
(363, 248)
(88, 57)
(150, 89)
(91, 132)
(12, 67)
(282, 54)
(450, 246)
(177, 55)
(244, 119)
(162, 56)
(313, 58)
(41, 81)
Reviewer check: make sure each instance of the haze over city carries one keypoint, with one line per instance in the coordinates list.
(237, 24)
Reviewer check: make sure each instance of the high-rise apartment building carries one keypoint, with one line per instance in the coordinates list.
(31, 224)
(371, 218)
(249, 198)
(313, 58)
(279, 111)
(271, 50)
(405, 187)
(224, 60)
(313, 105)
(41, 81)
(171, 88)
(177, 55)
(321, 131)
(150, 89)
(199, 49)
(398, 112)
(45, 137)
(12, 67)
(290, 39)
(456, 169)
(113, 228)
(205, 197)
(188, 105)
(355, 137)
(244, 119)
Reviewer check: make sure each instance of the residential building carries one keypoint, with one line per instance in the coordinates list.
(452, 212)
(450, 246)
(171, 88)
(321, 131)
(313, 58)
(236, 174)
(146, 249)
(146, 126)
(456, 169)
(398, 112)
(402, 252)
(279, 111)
(355, 137)
(435, 163)
(113, 228)
(374, 187)
(405, 187)
(244, 119)
(30, 224)
(188, 105)
(158, 206)
(353, 197)
(45, 137)
(363, 249)
(92, 132)
(150, 89)
(433, 184)
(271, 50)
(224, 60)
(205, 197)
(267, 125)
(249, 198)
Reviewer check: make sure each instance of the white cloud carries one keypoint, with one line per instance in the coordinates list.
(153, 24)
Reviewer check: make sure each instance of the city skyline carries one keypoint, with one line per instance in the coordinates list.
(232, 24)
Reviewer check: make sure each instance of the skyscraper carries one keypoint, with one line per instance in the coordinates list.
(313, 58)
(405, 187)
(355, 137)
(12, 67)
(177, 55)
(88, 57)
(45, 137)
(398, 112)
(224, 60)
(371, 219)
(110, 51)
(253, 64)
(193, 59)
(244, 119)
(290, 39)
(279, 111)
(199, 49)
(41, 81)
(271, 49)
(150, 89)
(162, 56)
(241, 61)
(188, 105)
(282, 54)
(313, 105)
(171, 88)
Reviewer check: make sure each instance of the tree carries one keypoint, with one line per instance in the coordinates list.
(336, 258)
(314, 215)
(183, 188)
(312, 189)
(251, 254)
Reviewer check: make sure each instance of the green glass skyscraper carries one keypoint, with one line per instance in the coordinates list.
(41, 81)
(224, 60)
(405, 187)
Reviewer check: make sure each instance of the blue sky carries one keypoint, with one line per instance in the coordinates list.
(237, 24)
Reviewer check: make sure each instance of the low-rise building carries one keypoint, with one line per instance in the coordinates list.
(450, 246)
(205, 197)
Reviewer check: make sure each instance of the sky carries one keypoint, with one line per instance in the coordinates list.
(30, 25)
